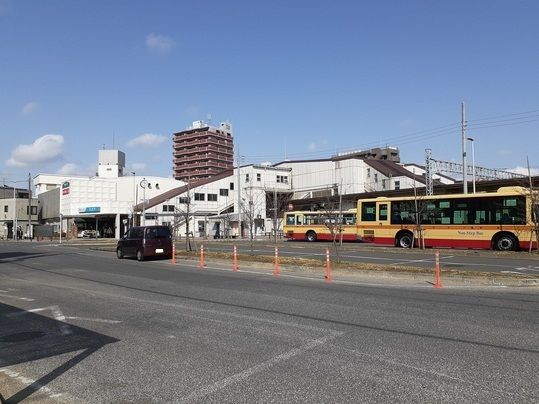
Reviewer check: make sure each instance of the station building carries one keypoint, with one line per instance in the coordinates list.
(104, 202)
(244, 201)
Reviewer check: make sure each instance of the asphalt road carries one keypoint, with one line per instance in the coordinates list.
(83, 326)
(471, 260)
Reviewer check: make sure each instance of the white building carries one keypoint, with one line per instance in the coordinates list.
(18, 210)
(104, 202)
(214, 207)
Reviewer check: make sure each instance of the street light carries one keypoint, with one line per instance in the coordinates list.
(144, 184)
(472, 140)
(134, 200)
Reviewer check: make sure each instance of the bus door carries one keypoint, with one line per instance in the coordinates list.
(366, 221)
(384, 233)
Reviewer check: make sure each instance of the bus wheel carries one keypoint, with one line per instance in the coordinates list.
(404, 240)
(506, 242)
(311, 236)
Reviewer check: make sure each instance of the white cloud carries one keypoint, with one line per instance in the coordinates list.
(524, 170)
(311, 147)
(159, 43)
(45, 149)
(69, 169)
(29, 107)
(147, 140)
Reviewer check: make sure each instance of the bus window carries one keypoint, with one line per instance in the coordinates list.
(298, 220)
(368, 211)
(311, 218)
(402, 212)
(290, 220)
(349, 218)
(460, 213)
(382, 211)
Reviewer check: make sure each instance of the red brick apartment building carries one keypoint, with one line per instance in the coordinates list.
(202, 151)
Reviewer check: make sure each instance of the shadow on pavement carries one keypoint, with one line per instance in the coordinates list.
(21, 255)
(27, 336)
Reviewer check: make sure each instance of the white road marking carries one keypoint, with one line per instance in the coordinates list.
(439, 374)
(219, 385)
(97, 320)
(65, 329)
(26, 299)
(410, 261)
(27, 382)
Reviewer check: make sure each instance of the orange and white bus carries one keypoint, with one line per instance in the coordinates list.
(312, 226)
(501, 220)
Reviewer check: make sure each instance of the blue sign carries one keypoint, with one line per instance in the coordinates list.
(90, 209)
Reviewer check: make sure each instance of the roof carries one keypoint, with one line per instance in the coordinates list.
(391, 169)
(165, 196)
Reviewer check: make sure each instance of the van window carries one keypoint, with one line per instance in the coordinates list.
(157, 232)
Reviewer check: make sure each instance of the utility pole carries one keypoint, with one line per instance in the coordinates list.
(239, 193)
(275, 215)
(29, 208)
(463, 132)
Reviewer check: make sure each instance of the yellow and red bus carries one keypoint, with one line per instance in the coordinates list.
(320, 225)
(501, 220)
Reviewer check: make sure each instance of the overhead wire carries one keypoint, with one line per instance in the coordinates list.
(413, 137)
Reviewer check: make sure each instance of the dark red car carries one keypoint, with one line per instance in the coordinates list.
(145, 241)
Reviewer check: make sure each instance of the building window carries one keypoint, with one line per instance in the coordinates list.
(183, 199)
(258, 177)
(199, 197)
(5, 208)
(368, 173)
(168, 208)
(375, 177)
(383, 184)
(246, 177)
(282, 179)
(212, 197)
(397, 185)
(232, 186)
(223, 192)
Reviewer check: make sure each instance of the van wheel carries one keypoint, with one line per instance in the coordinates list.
(140, 255)
(404, 240)
(119, 253)
(311, 236)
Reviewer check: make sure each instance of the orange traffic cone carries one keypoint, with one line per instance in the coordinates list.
(329, 276)
(202, 264)
(235, 264)
(277, 268)
(437, 271)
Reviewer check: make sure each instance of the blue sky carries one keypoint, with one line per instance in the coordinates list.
(308, 78)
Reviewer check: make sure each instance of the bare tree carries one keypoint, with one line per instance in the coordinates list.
(251, 206)
(534, 201)
(276, 204)
(333, 220)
